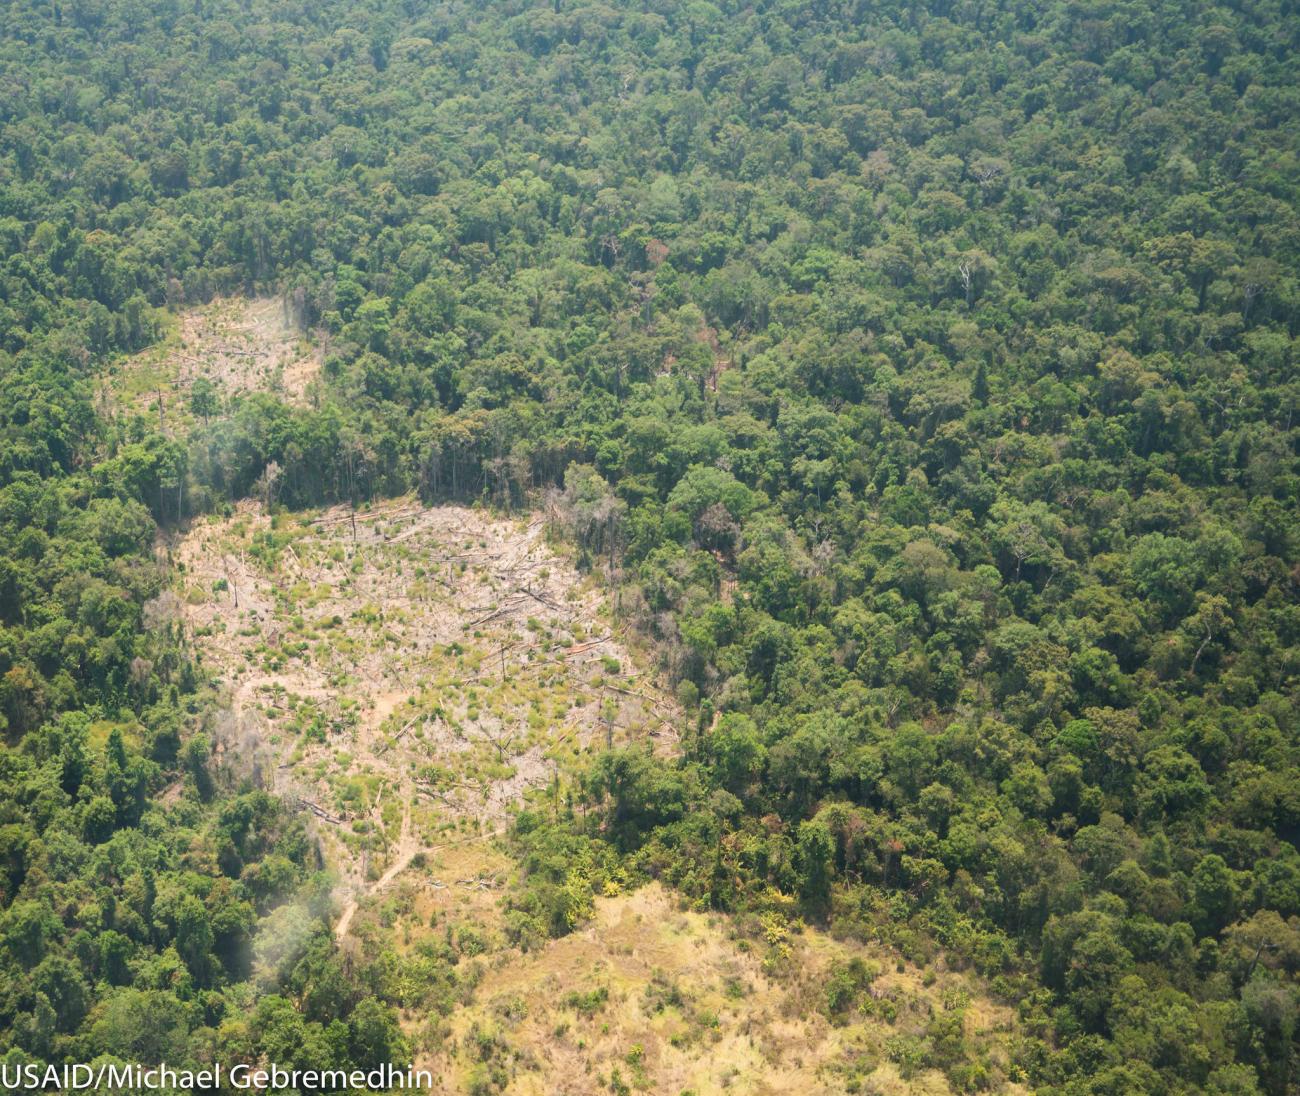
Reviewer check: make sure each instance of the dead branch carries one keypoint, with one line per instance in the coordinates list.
(397, 737)
(320, 812)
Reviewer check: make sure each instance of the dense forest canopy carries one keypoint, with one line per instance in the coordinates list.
(925, 375)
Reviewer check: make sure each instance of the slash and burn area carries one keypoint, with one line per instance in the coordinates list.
(404, 673)
(228, 348)
(406, 676)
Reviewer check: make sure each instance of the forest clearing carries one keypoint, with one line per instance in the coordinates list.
(230, 347)
(403, 673)
(405, 676)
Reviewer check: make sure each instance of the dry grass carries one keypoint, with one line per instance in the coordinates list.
(669, 1001)
(239, 345)
(407, 675)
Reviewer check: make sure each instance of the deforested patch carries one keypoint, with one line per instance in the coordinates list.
(406, 674)
(215, 354)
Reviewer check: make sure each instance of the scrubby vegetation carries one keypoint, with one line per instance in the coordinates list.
(924, 378)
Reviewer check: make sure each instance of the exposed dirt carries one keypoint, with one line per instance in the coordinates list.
(246, 345)
(405, 673)
(240, 345)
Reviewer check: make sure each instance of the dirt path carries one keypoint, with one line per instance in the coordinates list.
(405, 853)
(403, 861)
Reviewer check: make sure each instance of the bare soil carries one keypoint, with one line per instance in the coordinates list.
(405, 673)
(238, 344)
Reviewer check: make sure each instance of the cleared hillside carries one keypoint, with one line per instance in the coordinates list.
(406, 676)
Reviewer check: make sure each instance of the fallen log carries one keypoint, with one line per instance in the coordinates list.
(397, 737)
(544, 600)
(587, 646)
(320, 812)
